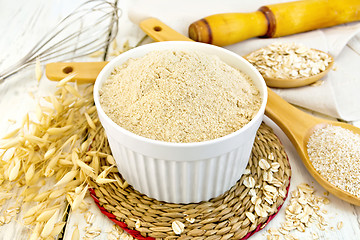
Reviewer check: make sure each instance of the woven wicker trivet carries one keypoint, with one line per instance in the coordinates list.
(237, 214)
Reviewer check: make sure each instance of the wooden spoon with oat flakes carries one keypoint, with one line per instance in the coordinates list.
(289, 65)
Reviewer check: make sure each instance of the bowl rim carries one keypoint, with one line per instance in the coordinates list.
(129, 54)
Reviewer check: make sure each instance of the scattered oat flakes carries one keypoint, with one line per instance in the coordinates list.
(137, 223)
(190, 220)
(178, 227)
(314, 235)
(273, 237)
(259, 210)
(340, 225)
(271, 156)
(268, 176)
(270, 188)
(247, 171)
(117, 233)
(116, 51)
(96, 54)
(263, 164)
(92, 232)
(249, 182)
(250, 216)
(304, 208)
(275, 166)
(89, 217)
(290, 237)
(283, 231)
(252, 192)
(273, 231)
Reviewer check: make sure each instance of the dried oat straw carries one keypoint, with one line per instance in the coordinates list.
(179, 96)
(335, 153)
(289, 60)
(45, 163)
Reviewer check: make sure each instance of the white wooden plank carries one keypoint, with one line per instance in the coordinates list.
(356, 123)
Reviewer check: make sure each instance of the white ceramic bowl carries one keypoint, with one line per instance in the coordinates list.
(181, 172)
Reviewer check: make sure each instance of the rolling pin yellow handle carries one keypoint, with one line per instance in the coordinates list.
(228, 28)
(301, 16)
(274, 20)
(159, 31)
(85, 72)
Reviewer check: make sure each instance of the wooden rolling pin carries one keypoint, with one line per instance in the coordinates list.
(274, 21)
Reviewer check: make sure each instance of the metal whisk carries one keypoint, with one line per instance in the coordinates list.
(89, 28)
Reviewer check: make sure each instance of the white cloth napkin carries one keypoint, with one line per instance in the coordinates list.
(337, 97)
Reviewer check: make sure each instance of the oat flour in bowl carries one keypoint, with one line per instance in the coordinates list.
(179, 96)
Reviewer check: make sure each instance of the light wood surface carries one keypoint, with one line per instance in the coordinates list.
(23, 21)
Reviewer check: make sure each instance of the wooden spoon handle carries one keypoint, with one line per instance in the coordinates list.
(274, 20)
(85, 72)
(294, 122)
(159, 31)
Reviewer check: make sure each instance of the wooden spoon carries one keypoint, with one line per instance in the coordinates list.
(157, 30)
(297, 82)
(299, 126)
